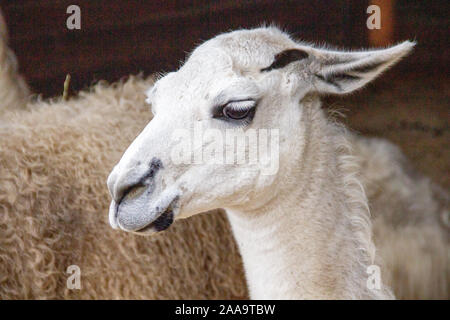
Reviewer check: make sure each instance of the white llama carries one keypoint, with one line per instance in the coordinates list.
(304, 232)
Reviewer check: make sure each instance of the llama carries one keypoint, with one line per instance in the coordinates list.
(35, 208)
(303, 232)
(51, 219)
(54, 158)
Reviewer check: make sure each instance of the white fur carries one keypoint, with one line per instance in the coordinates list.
(304, 232)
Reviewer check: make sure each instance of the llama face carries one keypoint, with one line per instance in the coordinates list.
(227, 126)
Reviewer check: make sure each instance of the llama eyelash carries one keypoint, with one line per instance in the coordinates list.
(239, 112)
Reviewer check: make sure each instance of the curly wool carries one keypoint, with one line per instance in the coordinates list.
(54, 161)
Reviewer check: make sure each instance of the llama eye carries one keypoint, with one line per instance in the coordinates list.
(238, 110)
(236, 114)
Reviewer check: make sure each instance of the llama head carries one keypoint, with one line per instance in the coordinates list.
(227, 127)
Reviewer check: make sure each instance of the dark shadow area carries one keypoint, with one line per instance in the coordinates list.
(118, 38)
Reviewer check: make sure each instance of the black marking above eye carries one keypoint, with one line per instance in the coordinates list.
(285, 57)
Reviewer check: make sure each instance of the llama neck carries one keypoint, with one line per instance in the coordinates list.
(312, 240)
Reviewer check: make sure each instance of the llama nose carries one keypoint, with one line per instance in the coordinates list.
(120, 181)
(112, 181)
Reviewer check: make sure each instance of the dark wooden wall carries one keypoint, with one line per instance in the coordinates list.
(122, 37)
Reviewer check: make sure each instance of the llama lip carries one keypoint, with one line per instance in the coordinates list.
(144, 215)
(163, 222)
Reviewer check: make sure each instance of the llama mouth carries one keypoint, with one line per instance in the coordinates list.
(163, 222)
(138, 215)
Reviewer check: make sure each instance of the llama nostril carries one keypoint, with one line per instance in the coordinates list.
(132, 192)
(155, 165)
(127, 191)
(135, 192)
(133, 179)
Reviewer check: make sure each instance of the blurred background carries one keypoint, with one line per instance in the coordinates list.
(122, 37)
(409, 104)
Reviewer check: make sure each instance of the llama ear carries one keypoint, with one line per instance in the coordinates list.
(342, 72)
